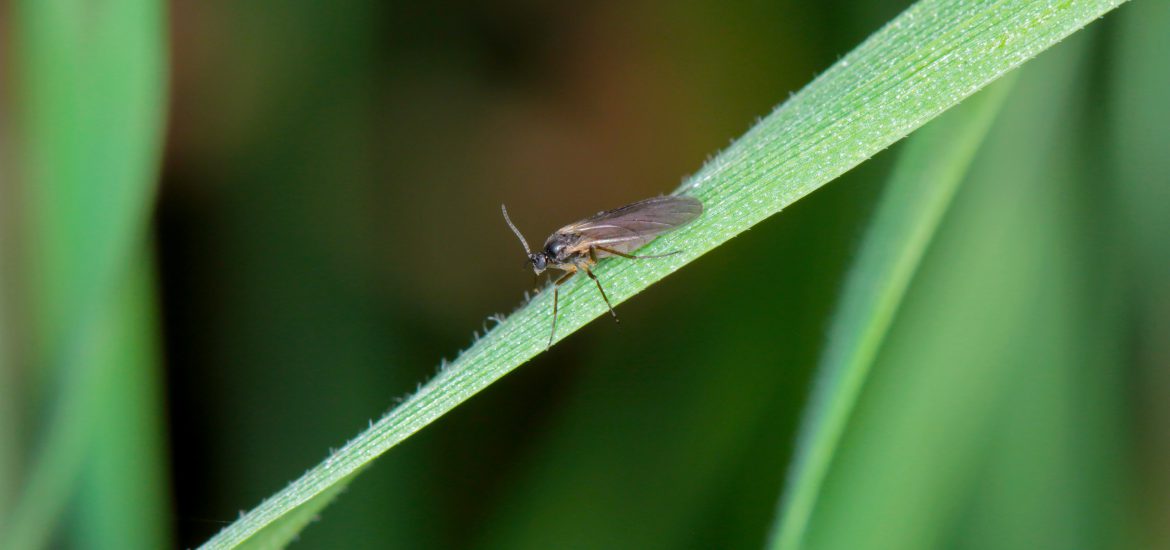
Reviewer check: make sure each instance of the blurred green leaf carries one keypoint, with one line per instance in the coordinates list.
(11, 400)
(927, 60)
(928, 173)
(988, 420)
(90, 88)
(1138, 118)
(124, 484)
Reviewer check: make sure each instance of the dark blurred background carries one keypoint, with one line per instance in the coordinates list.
(327, 230)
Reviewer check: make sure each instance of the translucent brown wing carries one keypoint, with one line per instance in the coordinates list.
(627, 228)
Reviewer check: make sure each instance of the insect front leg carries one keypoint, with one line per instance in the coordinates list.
(603, 296)
(556, 291)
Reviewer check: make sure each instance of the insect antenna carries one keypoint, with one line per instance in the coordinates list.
(504, 209)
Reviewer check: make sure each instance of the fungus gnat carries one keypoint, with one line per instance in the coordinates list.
(577, 246)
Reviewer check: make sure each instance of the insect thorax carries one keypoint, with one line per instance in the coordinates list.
(559, 247)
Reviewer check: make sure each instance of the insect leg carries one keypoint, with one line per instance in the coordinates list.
(633, 257)
(603, 296)
(556, 290)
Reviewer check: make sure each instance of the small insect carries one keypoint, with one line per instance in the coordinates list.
(577, 246)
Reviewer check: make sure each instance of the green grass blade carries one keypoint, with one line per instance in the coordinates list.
(90, 97)
(928, 59)
(927, 175)
(285, 529)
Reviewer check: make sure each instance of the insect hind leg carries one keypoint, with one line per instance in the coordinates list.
(631, 256)
(599, 289)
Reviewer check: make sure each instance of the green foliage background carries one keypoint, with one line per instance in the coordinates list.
(326, 227)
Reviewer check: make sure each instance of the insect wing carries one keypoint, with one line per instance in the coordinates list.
(627, 228)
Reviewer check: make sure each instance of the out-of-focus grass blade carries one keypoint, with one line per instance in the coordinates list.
(986, 420)
(123, 490)
(90, 94)
(1139, 120)
(925, 61)
(91, 91)
(10, 398)
(1056, 470)
(928, 173)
